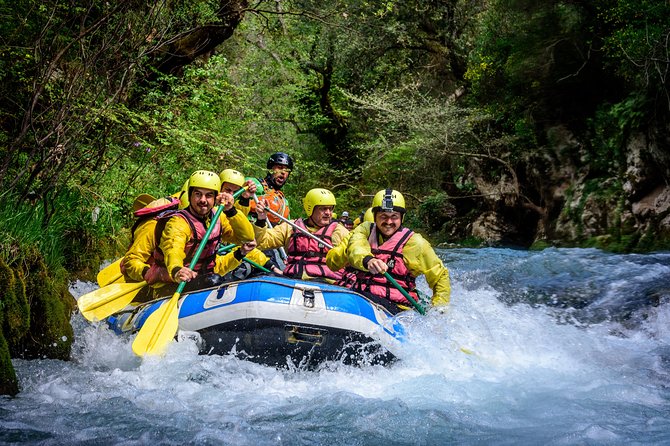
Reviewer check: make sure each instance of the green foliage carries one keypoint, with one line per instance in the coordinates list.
(539, 245)
(529, 56)
(71, 239)
(613, 124)
(436, 211)
(637, 45)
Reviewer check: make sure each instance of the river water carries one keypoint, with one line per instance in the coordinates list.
(558, 347)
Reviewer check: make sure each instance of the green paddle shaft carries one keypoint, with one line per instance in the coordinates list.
(414, 303)
(196, 257)
(225, 249)
(262, 268)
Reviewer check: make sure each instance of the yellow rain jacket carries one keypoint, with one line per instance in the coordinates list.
(235, 228)
(139, 253)
(418, 255)
(336, 258)
(243, 205)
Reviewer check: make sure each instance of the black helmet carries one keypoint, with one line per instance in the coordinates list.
(280, 158)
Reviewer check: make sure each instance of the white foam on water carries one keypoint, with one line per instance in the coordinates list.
(482, 372)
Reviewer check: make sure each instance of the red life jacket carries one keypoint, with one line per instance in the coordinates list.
(307, 255)
(146, 213)
(207, 258)
(276, 200)
(391, 253)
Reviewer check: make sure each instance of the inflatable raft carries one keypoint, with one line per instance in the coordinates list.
(280, 322)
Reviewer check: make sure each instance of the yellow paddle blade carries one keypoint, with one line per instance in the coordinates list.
(110, 274)
(142, 201)
(159, 329)
(103, 302)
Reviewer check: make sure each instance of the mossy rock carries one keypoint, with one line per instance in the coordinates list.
(14, 324)
(9, 385)
(15, 307)
(539, 245)
(51, 306)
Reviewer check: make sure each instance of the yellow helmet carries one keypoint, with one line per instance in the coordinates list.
(205, 180)
(200, 178)
(317, 197)
(183, 196)
(233, 177)
(368, 215)
(387, 200)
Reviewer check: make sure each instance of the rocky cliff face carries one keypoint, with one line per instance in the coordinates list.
(564, 201)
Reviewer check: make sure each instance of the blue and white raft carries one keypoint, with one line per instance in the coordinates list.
(280, 321)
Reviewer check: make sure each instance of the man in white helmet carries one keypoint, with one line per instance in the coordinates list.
(385, 246)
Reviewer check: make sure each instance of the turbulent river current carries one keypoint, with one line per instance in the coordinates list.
(557, 347)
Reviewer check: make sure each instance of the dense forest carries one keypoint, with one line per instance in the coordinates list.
(504, 122)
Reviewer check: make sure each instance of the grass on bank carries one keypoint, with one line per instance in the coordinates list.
(72, 231)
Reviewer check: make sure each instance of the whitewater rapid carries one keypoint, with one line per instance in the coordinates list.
(562, 346)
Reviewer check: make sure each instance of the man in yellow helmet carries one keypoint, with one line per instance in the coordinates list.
(231, 181)
(179, 234)
(136, 263)
(306, 256)
(384, 245)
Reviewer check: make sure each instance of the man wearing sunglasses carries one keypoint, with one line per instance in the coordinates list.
(279, 167)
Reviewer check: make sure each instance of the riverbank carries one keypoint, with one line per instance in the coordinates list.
(39, 257)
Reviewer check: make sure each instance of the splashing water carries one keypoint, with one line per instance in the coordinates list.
(563, 346)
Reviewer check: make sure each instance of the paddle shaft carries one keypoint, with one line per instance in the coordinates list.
(201, 247)
(225, 249)
(261, 267)
(411, 300)
(282, 253)
(388, 277)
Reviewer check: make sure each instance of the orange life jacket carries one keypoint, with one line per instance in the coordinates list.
(276, 200)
